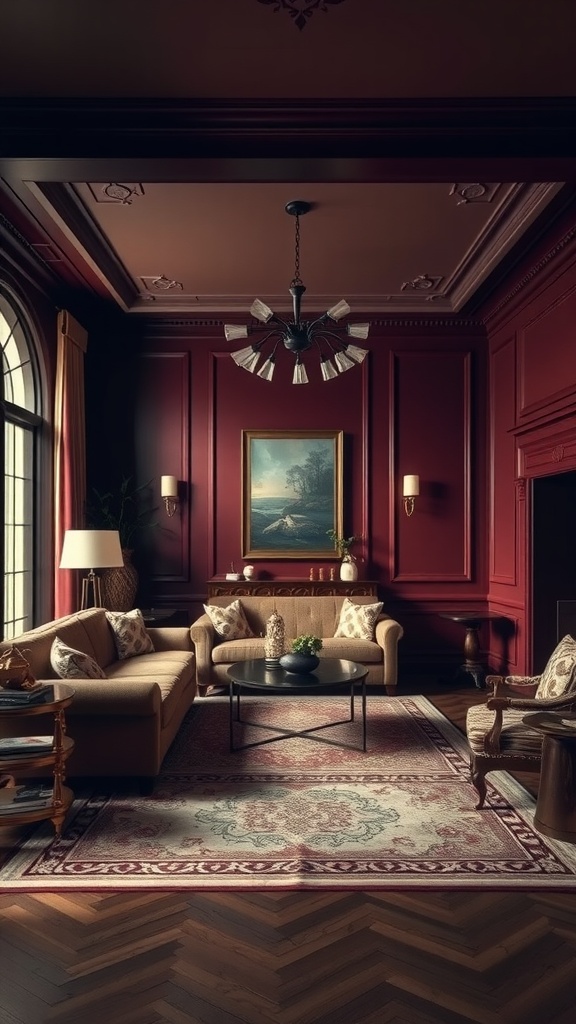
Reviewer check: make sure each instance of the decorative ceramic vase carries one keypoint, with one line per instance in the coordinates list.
(274, 642)
(348, 569)
(299, 663)
(119, 585)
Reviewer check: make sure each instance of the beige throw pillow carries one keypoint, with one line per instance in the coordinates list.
(559, 676)
(130, 634)
(68, 663)
(230, 622)
(357, 621)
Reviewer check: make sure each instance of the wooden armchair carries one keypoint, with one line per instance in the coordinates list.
(498, 738)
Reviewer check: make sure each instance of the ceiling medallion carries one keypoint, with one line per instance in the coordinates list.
(300, 10)
(120, 193)
(473, 192)
(422, 283)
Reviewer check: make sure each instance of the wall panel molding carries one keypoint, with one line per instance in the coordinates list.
(438, 448)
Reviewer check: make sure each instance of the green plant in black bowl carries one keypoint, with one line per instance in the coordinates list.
(307, 644)
(303, 657)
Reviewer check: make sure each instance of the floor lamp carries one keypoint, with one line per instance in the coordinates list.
(91, 549)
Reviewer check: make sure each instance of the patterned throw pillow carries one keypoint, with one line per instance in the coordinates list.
(130, 634)
(68, 663)
(559, 676)
(230, 623)
(357, 621)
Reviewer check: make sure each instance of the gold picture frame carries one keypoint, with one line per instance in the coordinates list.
(292, 492)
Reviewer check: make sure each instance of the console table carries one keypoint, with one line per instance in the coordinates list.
(288, 586)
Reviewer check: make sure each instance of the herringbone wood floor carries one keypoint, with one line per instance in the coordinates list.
(289, 957)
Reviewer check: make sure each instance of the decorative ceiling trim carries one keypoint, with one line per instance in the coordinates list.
(300, 10)
(116, 192)
(557, 250)
(399, 134)
(474, 192)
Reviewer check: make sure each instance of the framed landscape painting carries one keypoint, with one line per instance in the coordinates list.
(291, 492)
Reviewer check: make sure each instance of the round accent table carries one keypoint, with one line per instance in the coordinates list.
(555, 813)
(472, 622)
(331, 672)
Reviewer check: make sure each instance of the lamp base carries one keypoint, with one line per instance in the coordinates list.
(91, 588)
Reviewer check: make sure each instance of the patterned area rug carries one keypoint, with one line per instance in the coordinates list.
(303, 813)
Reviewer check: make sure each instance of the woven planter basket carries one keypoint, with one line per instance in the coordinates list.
(119, 586)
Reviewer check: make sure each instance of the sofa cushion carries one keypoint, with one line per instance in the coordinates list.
(357, 621)
(173, 671)
(230, 651)
(229, 622)
(559, 676)
(363, 651)
(69, 663)
(130, 634)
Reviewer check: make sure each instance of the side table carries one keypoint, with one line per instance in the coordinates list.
(555, 814)
(472, 622)
(63, 746)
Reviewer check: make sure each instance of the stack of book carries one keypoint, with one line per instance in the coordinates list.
(25, 746)
(19, 799)
(40, 693)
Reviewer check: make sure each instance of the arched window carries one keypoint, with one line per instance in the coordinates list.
(21, 415)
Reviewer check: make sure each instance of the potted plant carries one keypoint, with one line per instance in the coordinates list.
(303, 657)
(120, 510)
(348, 567)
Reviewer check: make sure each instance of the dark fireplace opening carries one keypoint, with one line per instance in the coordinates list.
(553, 563)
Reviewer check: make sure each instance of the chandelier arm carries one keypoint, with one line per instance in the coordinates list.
(262, 341)
(319, 320)
(332, 334)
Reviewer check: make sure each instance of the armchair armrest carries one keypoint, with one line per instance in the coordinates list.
(499, 705)
(204, 638)
(523, 685)
(387, 633)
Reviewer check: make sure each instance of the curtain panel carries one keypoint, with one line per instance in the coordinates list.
(69, 453)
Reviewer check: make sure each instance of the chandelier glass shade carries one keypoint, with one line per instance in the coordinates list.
(336, 353)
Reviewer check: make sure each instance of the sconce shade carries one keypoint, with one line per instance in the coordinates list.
(411, 486)
(168, 487)
(91, 549)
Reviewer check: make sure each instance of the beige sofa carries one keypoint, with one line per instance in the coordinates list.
(311, 615)
(124, 724)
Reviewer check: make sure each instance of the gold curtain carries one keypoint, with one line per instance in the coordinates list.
(69, 452)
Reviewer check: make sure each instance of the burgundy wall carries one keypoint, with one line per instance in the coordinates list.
(416, 405)
(532, 423)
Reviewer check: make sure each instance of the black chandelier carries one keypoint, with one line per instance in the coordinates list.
(297, 335)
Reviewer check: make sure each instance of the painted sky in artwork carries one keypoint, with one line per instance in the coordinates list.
(271, 458)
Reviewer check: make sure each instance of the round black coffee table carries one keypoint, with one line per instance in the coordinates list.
(256, 675)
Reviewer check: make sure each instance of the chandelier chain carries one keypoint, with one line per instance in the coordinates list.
(297, 279)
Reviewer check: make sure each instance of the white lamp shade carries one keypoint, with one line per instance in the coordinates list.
(411, 486)
(91, 549)
(168, 487)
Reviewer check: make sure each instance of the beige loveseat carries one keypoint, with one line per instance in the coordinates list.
(318, 616)
(124, 724)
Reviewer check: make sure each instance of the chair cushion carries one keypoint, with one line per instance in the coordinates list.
(559, 676)
(69, 663)
(357, 621)
(229, 622)
(516, 739)
(130, 634)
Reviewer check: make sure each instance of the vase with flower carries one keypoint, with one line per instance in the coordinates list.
(348, 564)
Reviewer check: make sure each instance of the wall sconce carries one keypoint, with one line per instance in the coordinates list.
(169, 491)
(410, 491)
